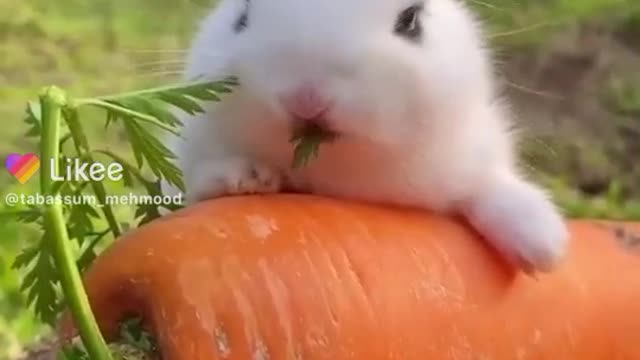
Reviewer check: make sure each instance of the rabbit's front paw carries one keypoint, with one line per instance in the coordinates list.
(235, 176)
(522, 223)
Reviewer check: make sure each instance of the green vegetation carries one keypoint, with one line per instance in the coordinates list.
(51, 262)
(135, 343)
(529, 23)
(114, 46)
(307, 141)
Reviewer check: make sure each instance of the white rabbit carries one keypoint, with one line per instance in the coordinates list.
(407, 85)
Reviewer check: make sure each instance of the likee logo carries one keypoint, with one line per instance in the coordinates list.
(22, 166)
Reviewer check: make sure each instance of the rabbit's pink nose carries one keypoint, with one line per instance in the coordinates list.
(306, 102)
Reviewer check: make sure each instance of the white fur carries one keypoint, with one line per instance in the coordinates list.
(421, 125)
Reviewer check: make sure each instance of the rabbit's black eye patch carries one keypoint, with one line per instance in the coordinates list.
(242, 22)
(408, 24)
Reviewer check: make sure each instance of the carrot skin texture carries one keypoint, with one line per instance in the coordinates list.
(303, 277)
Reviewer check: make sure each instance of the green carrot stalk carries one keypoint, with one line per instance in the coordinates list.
(52, 101)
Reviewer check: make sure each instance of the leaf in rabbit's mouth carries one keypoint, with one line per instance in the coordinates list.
(307, 140)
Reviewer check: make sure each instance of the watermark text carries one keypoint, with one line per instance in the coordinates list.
(131, 199)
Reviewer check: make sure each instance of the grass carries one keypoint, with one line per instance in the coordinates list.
(77, 45)
(530, 23)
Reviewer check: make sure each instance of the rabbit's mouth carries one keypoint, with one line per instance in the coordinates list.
(318, 126)
(314, 130)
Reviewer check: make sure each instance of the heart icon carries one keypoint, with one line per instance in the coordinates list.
(22, 166)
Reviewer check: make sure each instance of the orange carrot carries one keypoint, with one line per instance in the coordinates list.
(303, 277)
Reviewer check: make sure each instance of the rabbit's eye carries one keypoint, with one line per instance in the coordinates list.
(241, 22)
(243, 19)
(408, 24)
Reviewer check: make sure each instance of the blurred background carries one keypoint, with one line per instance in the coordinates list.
(571, 67)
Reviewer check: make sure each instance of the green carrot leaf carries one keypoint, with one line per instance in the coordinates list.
(41, 280)
(148, 148)
(140, 114)
(307, 141)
